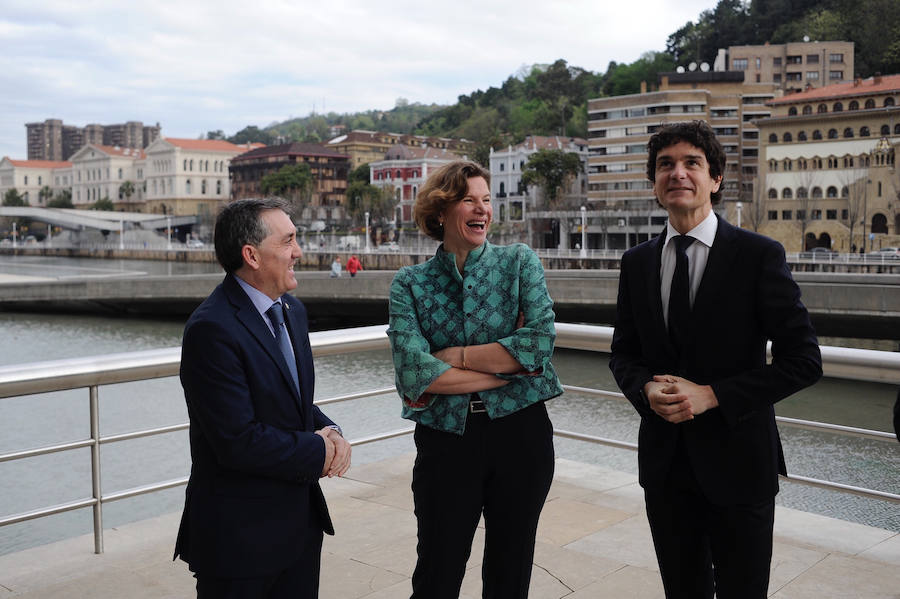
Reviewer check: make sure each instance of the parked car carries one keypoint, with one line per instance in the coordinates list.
(390, 246)
(891, 253)
(818, 253)
(194, 243)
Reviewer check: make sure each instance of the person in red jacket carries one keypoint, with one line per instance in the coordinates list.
(353, 265)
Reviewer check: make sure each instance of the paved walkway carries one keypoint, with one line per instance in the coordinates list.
(593, 543)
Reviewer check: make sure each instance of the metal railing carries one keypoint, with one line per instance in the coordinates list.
(94, 372)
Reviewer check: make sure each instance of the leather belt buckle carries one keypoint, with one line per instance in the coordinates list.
(476, 406)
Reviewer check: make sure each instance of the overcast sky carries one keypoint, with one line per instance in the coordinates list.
(195, 66)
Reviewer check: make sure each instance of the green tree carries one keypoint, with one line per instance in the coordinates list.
(126, 190)
(13, 198)
(45, 194)
(552, 171)
(363, 197)
(103, 203)
(62, 200)
(292, 182)
(252, 134)
(360, 173)
(217, 134)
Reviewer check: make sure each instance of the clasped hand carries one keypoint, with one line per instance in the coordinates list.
(677, 399)
(337, 453)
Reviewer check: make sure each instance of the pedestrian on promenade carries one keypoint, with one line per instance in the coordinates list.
(696, 306)
(353, 265)
(336, 267)
(254, 513)
(472, 333)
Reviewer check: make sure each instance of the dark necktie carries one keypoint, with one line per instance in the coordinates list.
(276, 315)
(680, 293)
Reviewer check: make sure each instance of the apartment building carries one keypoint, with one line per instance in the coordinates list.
(403, 169)
(54, 140)
(827, 170)
(619, 128)
(29, 177)
(370, 146)
(794, 66)
(188, 176)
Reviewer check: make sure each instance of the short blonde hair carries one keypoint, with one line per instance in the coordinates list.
(446, 185)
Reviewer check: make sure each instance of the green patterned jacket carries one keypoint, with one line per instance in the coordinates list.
(432, 307)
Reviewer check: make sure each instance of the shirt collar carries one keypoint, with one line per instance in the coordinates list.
(448, 260)
(260, 300)
(705, 232)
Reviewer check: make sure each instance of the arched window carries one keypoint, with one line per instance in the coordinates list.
(807, 109)
(822, 109)
(879, 223)
(773, 193)
(787, 137)
(854, 105)
(838, 107)
(864, 131)
(786, 193)
(848, 132)
(191, 163)
(817, 134)
(848, 161)
(792, 111)
(897, 129)
(786, 163)
(801, 136)
(502, 189)
(885, 129)
(870, 103)
(773, 139)
(888, 102)
(817, 192)
(832, 134)
(802, 194)
(187, 187)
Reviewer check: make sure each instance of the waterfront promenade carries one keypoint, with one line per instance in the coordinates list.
(593, 543)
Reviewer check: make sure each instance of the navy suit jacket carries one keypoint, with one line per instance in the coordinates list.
(746, 298)
(253, 498)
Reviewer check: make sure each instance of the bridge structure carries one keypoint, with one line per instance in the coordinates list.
(101, 220)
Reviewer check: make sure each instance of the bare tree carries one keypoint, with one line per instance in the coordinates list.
(754, 206)
(806, 179)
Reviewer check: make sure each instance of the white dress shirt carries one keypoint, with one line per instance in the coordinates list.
(697, 254)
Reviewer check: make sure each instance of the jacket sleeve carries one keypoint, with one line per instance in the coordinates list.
(414, 366)
(532, 343)
(214, 374)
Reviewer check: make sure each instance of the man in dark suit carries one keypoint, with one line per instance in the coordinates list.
(696, 307)
(254, 513)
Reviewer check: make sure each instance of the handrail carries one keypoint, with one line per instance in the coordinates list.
(93, 372)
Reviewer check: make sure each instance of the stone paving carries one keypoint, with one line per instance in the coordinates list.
(593, 543)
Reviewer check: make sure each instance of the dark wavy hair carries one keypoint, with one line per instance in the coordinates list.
(446, 185)
(240, 223)
(696, 133)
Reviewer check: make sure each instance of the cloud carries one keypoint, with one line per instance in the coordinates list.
(200, 66)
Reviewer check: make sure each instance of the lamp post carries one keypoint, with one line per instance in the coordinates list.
(583, 232)
(121, 234)
(739, 207)
(168, 232)
(367, 232)
(49, 234)
(14, 235)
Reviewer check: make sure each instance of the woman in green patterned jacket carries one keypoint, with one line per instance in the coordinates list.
(472, 335)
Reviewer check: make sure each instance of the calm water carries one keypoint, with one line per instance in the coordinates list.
(57, 417)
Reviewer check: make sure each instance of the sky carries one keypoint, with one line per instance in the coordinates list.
(197, 66)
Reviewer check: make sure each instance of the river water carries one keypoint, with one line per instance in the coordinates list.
(51, 418)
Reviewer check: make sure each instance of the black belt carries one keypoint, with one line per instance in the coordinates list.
(476, 406)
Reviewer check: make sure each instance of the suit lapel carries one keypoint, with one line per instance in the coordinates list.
(654, 288)
(718, 266)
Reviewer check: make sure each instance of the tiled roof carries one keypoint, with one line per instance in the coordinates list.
(865, 87)
(291, 149)
(40, 163)
(402, 152)
(209, 145)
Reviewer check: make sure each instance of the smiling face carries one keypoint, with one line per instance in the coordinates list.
(270, 265)
(466, 221)
(683, 184)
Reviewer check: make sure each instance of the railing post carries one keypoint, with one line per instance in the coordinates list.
(95, 469)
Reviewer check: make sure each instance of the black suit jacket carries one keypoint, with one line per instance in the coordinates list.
(746, 297)
(253, 498)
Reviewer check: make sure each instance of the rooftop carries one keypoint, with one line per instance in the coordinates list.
(859, 87)
(593, 542)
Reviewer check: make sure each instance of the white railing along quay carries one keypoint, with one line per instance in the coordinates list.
(93, 372)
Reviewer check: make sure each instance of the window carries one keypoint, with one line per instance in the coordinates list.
(812, 59)
(502, 167)
(845, 213)
(807, 109)
(885, 130)
(801, 136)
(26, 179)
(185, 164)
(787, 137)
(832, 134)
(835, 58)
(218, 188)
(802, 194)
(848, 132)
(832, 162)
(823, 108)
(897, 129)
(831, 214)
(785, 215)
(203, 187)
(786, 193)
(792, 111)
(187, 187)
(854, 105)
(801, 215)
(888, 102)
(773, 215)
(120, 173)
(864, 132)
(817, 193)
(816, 214)
(773, 193)
(845, 191)
(776, 61)
(795, 76)
(848, 161)
(870, 103)
(794, 60)
(838, 107)
(812, 75)
(758, 64)
(773, 139)
(787, 164)
(776, 78)
(739, 64)
(831, 192)
(835, 75)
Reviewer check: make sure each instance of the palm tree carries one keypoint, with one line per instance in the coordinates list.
(126, 189)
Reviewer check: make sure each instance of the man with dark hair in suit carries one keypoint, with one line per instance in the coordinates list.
(696, 307)
(254, 513)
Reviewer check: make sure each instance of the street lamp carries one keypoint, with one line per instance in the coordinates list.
(169, 231)
(14, 235)
(583, 232)
(739, 207)
(367, 232)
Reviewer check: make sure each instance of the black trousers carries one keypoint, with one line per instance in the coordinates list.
(501, 468)
(298, 581)
(704, 548)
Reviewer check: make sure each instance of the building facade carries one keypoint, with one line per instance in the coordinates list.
(53, 140)
(100, 173)
(30, 177)
(794, 66)
(370, 146)
(827, 172)
(403, 170)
